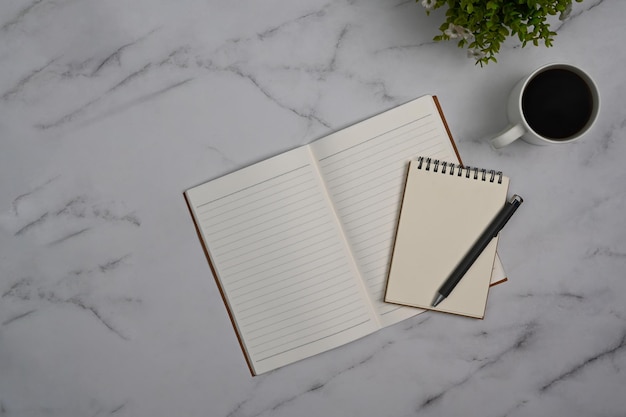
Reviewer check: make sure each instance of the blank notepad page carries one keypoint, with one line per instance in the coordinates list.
(444, 211)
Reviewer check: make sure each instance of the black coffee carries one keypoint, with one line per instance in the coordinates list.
(557, 104)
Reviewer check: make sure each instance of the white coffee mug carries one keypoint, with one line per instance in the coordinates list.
(556, 103)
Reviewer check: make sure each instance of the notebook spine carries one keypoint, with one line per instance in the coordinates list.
(450, 168)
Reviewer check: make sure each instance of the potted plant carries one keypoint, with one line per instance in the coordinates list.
(482, 25)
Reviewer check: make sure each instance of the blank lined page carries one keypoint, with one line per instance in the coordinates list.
(365, 168)
(284, 268)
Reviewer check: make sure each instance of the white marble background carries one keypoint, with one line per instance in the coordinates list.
(110, 109)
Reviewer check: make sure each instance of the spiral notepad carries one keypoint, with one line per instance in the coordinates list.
(445, 208)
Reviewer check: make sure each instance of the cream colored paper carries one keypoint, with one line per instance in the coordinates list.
(285, 270)
(300, 243)
(442, 216)
(364, 169)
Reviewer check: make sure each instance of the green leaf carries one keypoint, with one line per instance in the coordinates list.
(492, 21)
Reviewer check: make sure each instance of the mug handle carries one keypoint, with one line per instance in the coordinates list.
(507, 136)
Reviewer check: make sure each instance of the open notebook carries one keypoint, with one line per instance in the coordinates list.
(300, 243)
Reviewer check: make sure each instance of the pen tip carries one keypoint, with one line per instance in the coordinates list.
(438, 299)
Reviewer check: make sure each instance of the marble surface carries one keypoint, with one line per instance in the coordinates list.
(109, 110)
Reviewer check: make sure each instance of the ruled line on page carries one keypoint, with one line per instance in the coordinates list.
(319, 322)
(366, 183)
(361, 154)
(270, 280)
(268, 201)
(287, 202)
(262, 253)
(283, 263)
(251, 231)
(280, 352)
(384, 161)
(261, 300)
(360, 144)
(288, 305)
(295, 335)
(283, 284)
(276, 231)
(288, 320)
(391, 194)
(299, 341)
(277, 316)
(278, 250)
(256, 185)
(378, 184)
(290, 265)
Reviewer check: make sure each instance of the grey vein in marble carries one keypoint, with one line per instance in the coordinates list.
(522, 341)
(13, 91)
(130, 104)
(77, 208)
(18, 317)
(69, 236)
(80, 303)
(21, 15)
(112, 264)
(576, 14)
(605, 251)
(116, 56)
(611, 351)
(117, 409)
(311, 117)
(129, 78)
(17, 200)
(316, 386)
(307, 16)
(32, 224)
(25, 290)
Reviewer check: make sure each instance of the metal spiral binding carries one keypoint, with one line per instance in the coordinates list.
(426, 163)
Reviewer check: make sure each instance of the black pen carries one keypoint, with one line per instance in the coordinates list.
(485, 238)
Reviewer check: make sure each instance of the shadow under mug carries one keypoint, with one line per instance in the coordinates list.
(556, 103)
